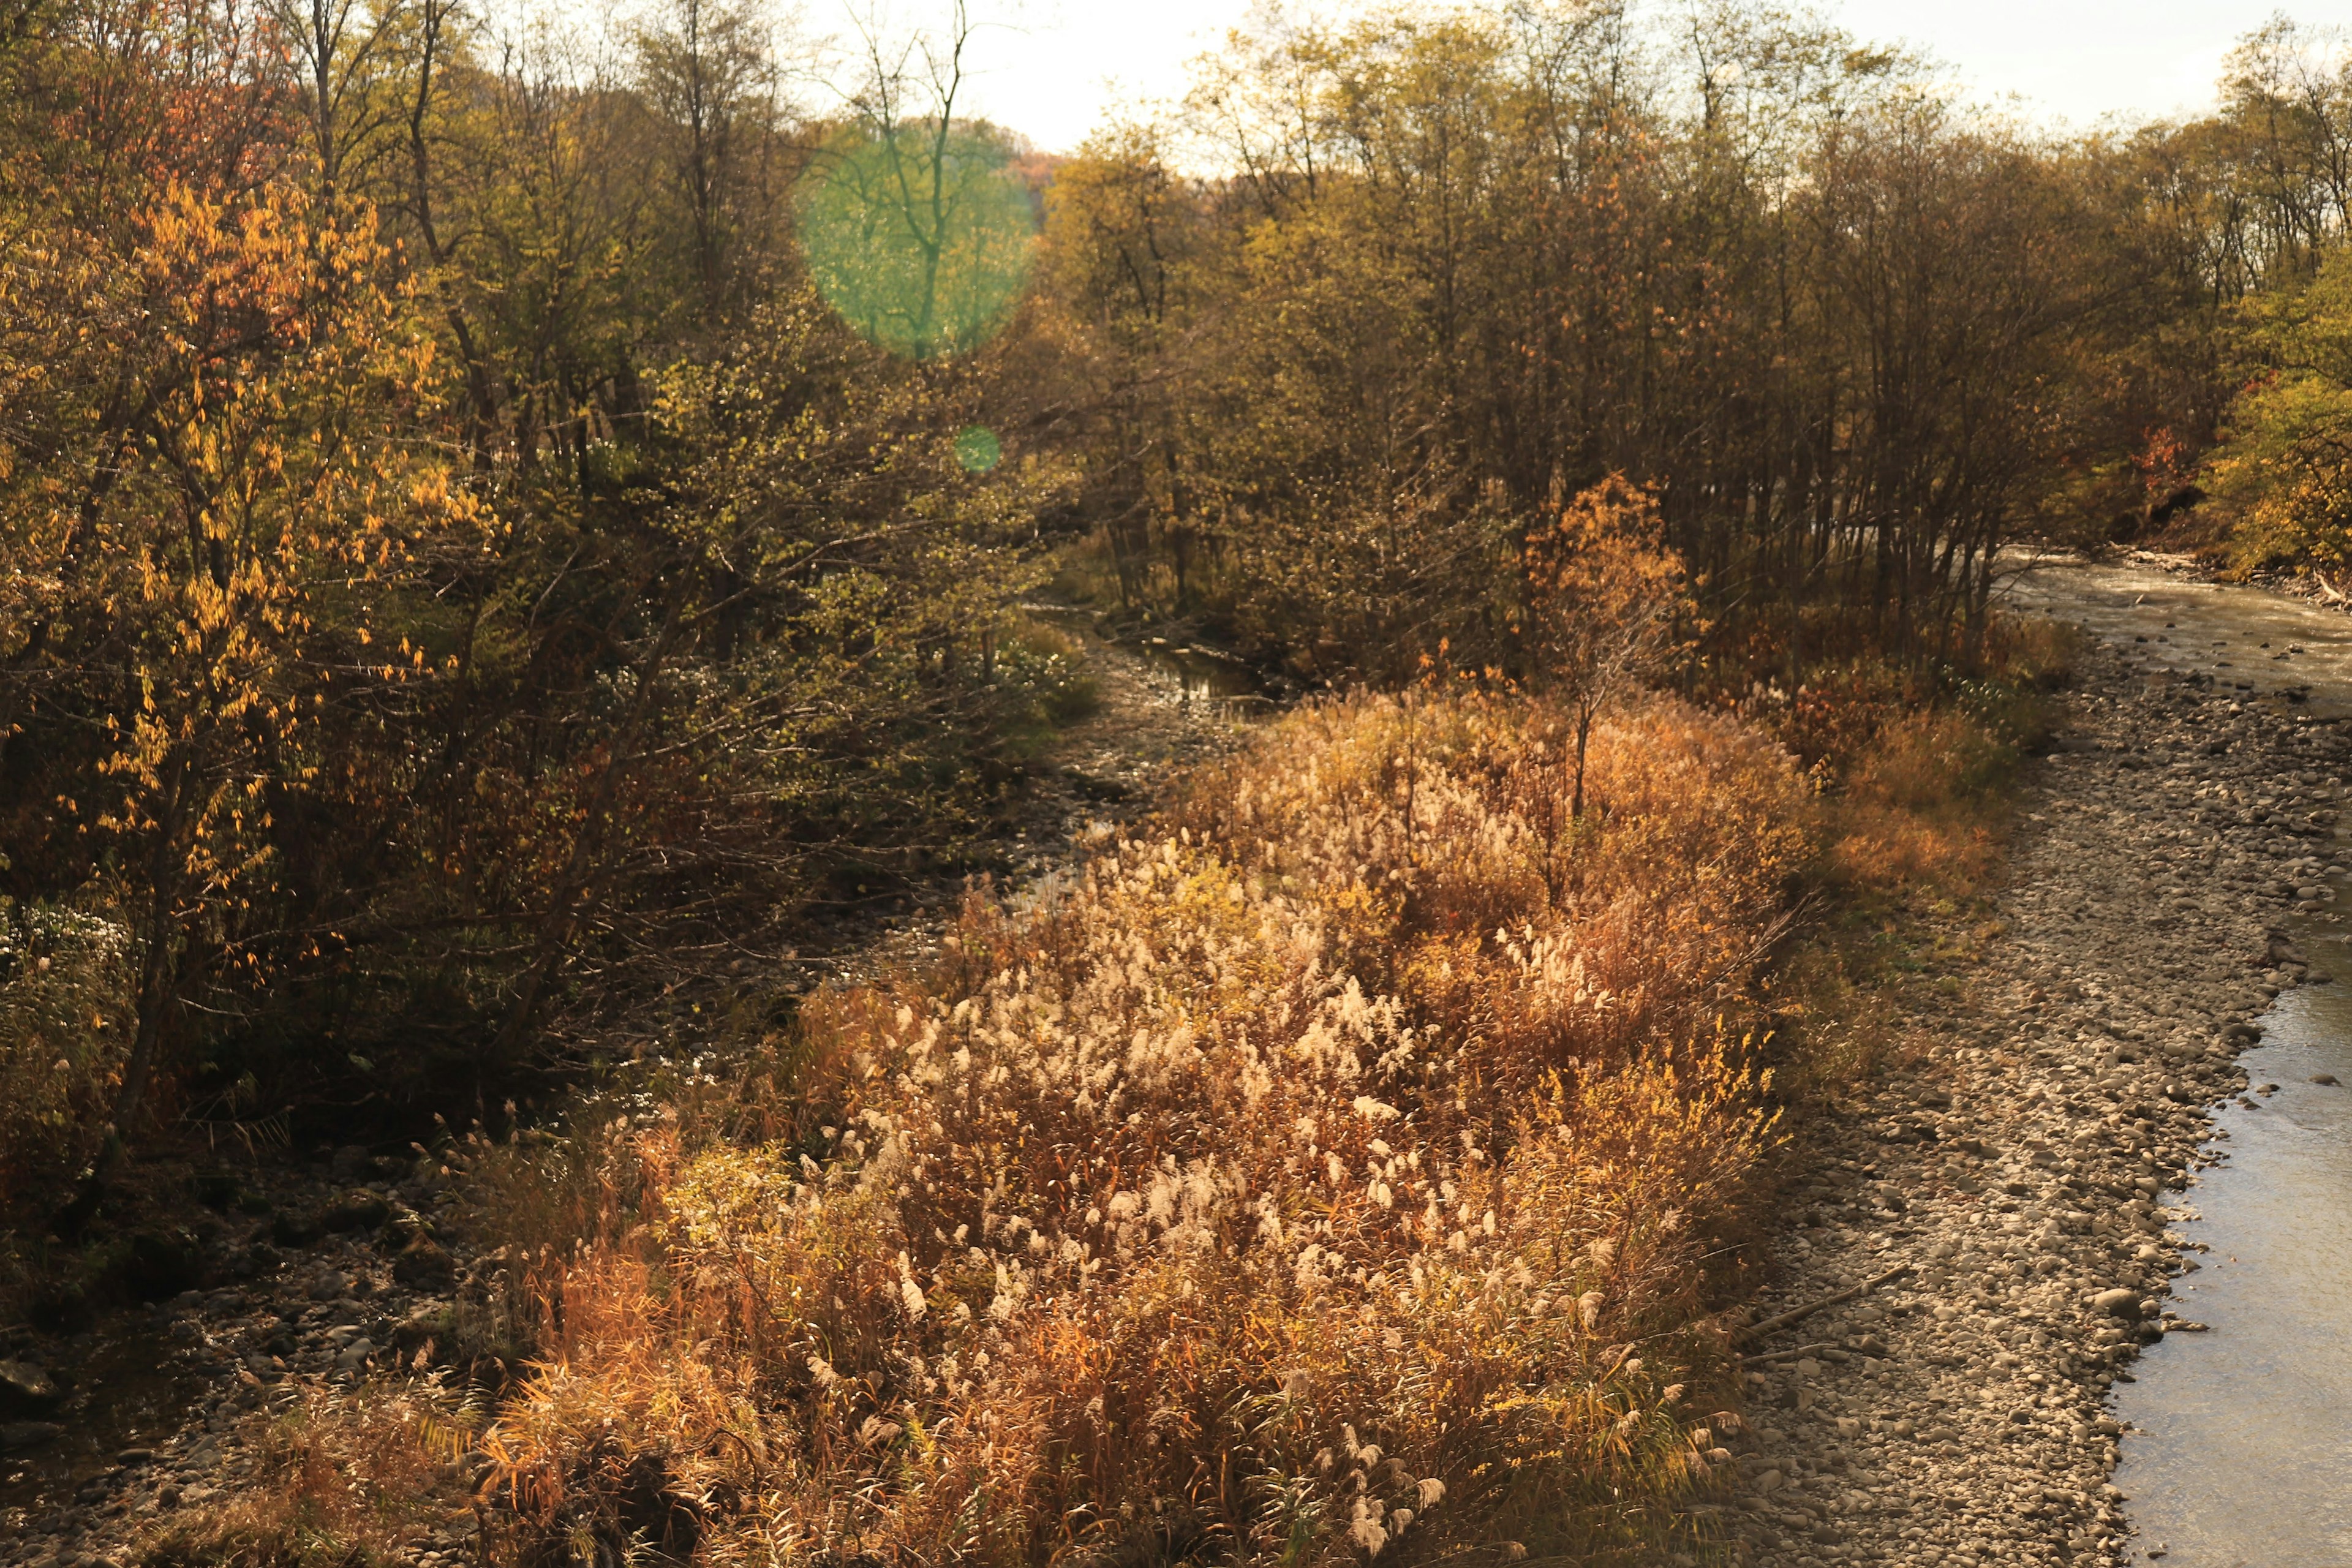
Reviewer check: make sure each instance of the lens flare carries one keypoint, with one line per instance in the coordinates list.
(921, 241)
(978, 449)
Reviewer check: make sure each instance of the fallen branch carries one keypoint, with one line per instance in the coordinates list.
(1797, 1354)
(1795, 1314)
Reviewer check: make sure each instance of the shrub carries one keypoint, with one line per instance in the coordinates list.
(1328, 1176)
(64, 1031)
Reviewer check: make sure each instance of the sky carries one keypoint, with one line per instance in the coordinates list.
(1053, 69)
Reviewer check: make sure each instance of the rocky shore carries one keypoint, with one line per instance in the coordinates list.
(2025, 1158)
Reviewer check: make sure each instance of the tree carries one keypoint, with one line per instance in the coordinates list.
(212, 610)
(1607, 605)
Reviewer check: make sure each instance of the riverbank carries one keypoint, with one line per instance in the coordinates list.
(2019, 1154)
(2024, 1153)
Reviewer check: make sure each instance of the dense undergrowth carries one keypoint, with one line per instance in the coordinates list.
(1355, 1164)
(1331, 1170)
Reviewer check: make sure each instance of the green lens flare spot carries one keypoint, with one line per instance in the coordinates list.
(922, 242)
(978, 449)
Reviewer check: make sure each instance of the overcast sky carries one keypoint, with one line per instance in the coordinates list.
(1052, 68)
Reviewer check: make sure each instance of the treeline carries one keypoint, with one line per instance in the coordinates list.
(502, 527)
(1859, 335)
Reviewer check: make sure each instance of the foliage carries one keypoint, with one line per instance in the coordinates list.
(1316, 1176)
(1606, 600)
(2286, 469)
(460, 578)
(1473, 261)
(65, 1029)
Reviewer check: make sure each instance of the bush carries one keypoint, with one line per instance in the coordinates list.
(345, 1480)
(1331, 1175)
(64, 1011)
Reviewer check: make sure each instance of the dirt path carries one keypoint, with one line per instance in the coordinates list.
(2028, 1155)
(309, 1275)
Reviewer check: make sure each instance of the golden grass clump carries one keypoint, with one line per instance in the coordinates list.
(1328, 1177)
(342, 1478)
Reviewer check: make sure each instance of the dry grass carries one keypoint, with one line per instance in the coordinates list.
(343, 1479)
(1330, 1177)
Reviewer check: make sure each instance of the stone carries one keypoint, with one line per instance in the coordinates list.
(2324, 1077)
(330, 1285)
(27, 1390)
(355, 1210)
(294, 1230)
(2116, 1303)
(157, 1265)
(423, 1262)
(18, 1436)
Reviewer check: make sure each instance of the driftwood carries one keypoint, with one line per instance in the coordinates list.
(1795, 1314)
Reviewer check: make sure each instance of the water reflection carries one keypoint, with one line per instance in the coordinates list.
(2241, 1451)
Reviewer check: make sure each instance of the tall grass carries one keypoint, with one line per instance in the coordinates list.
(1332, 1175)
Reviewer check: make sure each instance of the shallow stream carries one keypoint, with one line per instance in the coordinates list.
(2238, 1443)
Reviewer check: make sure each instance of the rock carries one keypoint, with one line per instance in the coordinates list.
(2325, 1078)
(355, 1210)
(18, 1436)
(330, 1285)
(1770, 1481)
(2116, 1303)
(216, 1189)
(157, 1265)
(423, 1262)
(355, 1354)
(294, 1230)
(27, 1390)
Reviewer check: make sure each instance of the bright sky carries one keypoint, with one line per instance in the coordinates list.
(1053, 68)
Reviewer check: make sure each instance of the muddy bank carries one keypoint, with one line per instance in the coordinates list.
(2032, 1154)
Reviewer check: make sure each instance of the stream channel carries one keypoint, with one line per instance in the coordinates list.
(2237, 1442)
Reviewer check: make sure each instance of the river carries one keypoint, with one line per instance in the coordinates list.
(2237, 1442)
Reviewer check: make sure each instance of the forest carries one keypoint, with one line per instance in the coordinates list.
(510, 531)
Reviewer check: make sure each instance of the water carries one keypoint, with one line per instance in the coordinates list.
(130, 1391)
(2253, 642)
(2239, 1442)
(1202, 677)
